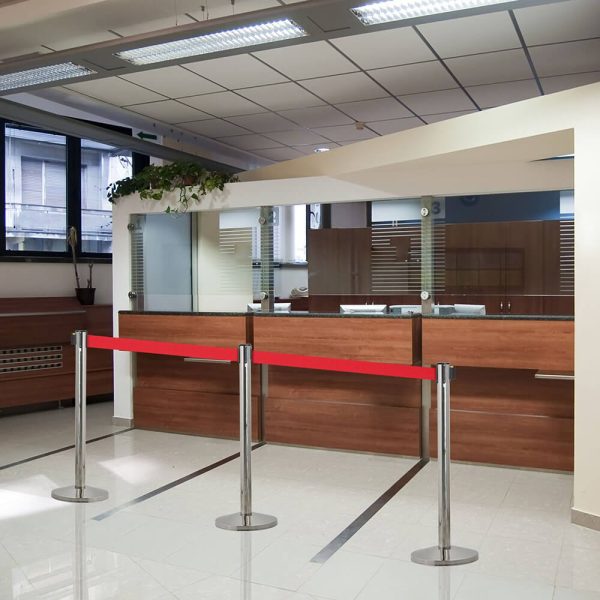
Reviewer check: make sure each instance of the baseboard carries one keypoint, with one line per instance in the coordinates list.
(122, 422)
(589, 520)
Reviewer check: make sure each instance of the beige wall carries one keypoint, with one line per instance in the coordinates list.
(24, 280)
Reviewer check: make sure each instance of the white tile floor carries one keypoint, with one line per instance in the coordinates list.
(167, 548)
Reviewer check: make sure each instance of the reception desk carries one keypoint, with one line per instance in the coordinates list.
(501, 413)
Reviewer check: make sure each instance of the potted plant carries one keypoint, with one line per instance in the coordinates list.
(85, 295)
(192, 180)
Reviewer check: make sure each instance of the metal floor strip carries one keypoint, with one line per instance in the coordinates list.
(171, 485)
(51, 452)
(328, 551)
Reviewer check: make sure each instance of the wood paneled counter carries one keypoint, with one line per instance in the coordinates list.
(37, 362)
(501, 413)
(314, 408)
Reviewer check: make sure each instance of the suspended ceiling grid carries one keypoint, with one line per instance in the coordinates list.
(283, 103)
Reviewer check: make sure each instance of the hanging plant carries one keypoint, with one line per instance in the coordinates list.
(193, 182)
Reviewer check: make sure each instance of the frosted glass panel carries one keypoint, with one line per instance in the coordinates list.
(167, 262)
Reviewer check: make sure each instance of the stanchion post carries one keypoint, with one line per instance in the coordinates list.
(246, 519)
(80, 492)
(444, 554)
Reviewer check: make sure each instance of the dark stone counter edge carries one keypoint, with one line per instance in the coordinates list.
(354, 315)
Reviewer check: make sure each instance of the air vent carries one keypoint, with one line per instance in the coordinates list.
(37, 358)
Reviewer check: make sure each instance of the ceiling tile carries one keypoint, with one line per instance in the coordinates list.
(375, 110)
(144, 26)
(279, 153)
(264, 123)
(174, 82)
(497, 94)
(567, 58)
(492, 67)
(345, 88)
(302, 61)
(471, 35)
(565, 82)
(297, 137)
(282, 96)
(169, 111)
(446, 116)
(115, 91)
(559, 22)
(223, 8)
(395, 125)
(414, 79)
(317, 116)
(74, 41)
(250, 142)
(215, 128)
(239, 71)
(345, 133)
(223, 104)
(312, 149)
(399, 46)
(438, 102)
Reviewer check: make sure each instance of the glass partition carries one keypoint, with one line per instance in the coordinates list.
(505, 254)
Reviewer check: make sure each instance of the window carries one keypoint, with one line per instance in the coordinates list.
(101, 165)
(49, 182)
(36, 190)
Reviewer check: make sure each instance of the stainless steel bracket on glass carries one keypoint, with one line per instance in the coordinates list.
(246, 519)
(444, 554)
(80, 492)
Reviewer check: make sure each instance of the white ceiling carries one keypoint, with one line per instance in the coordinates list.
(282, 103)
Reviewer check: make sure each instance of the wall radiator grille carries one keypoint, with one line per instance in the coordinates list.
(16, 360)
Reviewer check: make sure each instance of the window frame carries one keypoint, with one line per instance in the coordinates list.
(73, 198)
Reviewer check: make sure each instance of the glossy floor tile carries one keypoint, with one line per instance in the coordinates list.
(167, 547)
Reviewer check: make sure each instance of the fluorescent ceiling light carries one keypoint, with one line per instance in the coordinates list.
(40, 75)
(398, 10)
(220, 41)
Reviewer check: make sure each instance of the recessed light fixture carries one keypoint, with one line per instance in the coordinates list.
(398, 10)
(39, 75)
(323, 149)
(220, 41)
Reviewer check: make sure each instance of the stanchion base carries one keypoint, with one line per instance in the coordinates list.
(239, 522)
(75, 494)
(436, 557)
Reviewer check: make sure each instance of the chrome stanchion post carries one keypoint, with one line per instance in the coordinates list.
(246, 520)
(80, 492)
(444, 554)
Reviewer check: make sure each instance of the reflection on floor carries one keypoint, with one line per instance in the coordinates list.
(168, 548)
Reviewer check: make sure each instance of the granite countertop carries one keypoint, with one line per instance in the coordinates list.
(353, 315)
(505, 317)
(261, 314)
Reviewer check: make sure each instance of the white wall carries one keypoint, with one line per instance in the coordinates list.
(287, 278)
(39, 280)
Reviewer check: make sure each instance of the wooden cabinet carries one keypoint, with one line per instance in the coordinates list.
(339, 261)
(36, 356)
(511, 267)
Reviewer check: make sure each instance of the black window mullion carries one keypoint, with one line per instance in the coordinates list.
(139, 162)
(74, 187)
(2, 187)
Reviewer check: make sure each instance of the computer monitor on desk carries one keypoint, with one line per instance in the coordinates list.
(469, 309)
(405, 309)
(279, 307)
(348, 309)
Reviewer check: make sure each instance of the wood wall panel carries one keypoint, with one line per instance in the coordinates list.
(183, 411)
(39, 329)
(509, 344)
(346, 426)
(223, 331)
(343, 388)
(513, 440)
(52, 388)
(361, 338)
(99, 319)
